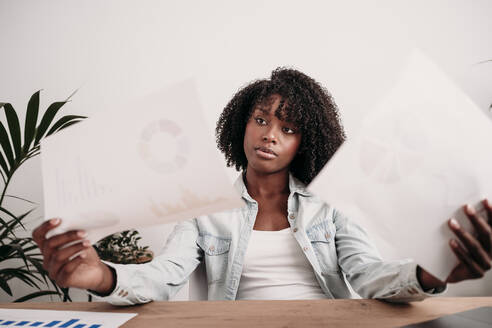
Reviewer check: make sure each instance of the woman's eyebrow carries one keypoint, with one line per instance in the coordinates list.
(263, 110)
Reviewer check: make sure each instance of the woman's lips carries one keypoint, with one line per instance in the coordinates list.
(265, 153)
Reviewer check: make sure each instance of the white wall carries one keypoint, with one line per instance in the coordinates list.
(113, 51)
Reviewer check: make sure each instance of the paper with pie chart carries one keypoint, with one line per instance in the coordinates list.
(420, 155)
(148, 162)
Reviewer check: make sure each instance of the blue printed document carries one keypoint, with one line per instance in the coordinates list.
(62, 319)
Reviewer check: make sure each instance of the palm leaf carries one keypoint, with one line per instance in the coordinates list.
(14, 127)
(36, 294)
(5, 251)
(48, 117)
(66, 125)
(38, 264)
(17, 220)
(20, 198)
(4, 224)
(5, 168)
(11, 225)
(23, 275)
(5, 286)
(7, 148)
(31, 120)
(63, 121)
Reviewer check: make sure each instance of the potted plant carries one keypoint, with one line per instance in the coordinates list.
(123, 248)
(20, 258)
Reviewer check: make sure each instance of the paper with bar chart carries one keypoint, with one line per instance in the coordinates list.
(62, 319)
(420, 155)
(148, 162)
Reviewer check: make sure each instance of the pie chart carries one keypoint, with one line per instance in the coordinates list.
(163, 146)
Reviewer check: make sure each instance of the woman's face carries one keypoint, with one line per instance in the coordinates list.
(270, 144)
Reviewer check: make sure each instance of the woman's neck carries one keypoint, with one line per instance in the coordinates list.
(266, 185)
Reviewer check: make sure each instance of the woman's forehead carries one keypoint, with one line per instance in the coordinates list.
(281, 113)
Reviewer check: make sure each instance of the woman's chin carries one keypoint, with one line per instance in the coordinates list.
(265, 168)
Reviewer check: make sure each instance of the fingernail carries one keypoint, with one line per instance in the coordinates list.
(454, 223)
(86, 243)
(54, 221)
(486, 202)
(82, 255)
(469, 209)
(453, 243)
(81, 234)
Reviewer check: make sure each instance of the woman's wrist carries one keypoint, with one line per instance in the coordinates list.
(428, 281)
(108, 282)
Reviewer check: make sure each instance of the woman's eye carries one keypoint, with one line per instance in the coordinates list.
(260, 121)
(289, 131)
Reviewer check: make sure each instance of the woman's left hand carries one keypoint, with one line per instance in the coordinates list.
(474, 253)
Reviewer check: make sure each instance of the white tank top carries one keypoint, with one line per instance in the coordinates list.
(275, 268)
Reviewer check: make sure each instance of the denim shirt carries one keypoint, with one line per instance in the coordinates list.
(338, 250)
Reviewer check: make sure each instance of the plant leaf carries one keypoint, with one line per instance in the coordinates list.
(31, 120)
(20, 274)
(63, 121)
(20, 198)
(14, 128)
(36, 294)
(5, 168)
(66, 125)
(17, 220)
(6, 147)
(5, 286)
(47, 119)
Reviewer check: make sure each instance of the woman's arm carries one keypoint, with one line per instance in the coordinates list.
(78, 265)
(164, 276)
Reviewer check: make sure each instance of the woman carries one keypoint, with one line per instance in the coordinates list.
(285, 243)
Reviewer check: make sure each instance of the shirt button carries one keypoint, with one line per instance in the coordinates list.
(327, 235)
(305, 249)
(292, 216)
(295, 229)
(211, 248)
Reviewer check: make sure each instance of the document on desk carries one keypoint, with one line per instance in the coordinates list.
(65, 319)
(148, 162)
(420, 155)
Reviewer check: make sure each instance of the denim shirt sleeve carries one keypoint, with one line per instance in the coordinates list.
(164, 276)
(368, 274)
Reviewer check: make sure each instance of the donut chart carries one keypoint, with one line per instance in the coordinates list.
(163, 146)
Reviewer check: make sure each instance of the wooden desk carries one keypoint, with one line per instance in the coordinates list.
(259, 314)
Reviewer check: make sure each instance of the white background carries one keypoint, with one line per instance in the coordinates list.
(115, 51)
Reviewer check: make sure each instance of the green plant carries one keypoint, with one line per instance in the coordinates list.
(19, 256)
(123, 248)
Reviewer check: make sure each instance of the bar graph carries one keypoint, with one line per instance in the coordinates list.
(61, 319)
(53, 323)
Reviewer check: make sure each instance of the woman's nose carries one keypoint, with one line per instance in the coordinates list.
(270, 136)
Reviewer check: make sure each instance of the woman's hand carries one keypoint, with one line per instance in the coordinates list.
(474, 254)
(76, 265)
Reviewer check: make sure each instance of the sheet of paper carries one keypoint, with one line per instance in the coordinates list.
(65, 319)
(421, 154)
(148, 162)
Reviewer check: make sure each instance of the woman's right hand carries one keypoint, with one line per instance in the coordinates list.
(85, 271)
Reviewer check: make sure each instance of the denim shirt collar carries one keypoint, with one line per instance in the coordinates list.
(295, 186)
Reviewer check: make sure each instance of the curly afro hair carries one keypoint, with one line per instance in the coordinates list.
(304, 102)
